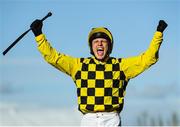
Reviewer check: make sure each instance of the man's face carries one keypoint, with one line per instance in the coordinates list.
(100, 48)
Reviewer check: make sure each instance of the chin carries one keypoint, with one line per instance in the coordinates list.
(100, 58)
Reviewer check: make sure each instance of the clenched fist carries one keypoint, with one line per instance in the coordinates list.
(161, 26)
(36, 27)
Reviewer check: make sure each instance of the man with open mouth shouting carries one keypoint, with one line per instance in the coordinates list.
(101, 80)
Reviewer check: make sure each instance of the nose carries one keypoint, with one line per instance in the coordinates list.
(99, 43)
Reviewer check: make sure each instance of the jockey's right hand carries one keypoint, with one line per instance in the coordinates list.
(36, 27)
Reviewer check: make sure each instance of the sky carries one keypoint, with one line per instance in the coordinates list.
(25, 78)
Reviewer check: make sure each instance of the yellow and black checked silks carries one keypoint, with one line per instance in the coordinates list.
(101, 85)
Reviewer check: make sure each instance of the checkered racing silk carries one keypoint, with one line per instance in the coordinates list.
(100, 87)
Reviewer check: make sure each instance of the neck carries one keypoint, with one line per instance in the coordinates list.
(104, 59)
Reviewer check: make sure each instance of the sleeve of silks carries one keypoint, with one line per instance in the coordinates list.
(62, 62)
(133, 66)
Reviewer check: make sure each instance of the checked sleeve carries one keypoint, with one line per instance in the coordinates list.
(62, 62)
(133, 66)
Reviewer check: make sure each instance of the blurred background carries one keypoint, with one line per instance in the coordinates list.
(34, 93)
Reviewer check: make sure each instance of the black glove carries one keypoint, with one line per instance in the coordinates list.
(36, 27)
(161, 26)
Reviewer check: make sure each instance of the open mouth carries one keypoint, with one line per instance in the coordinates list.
(100, 51)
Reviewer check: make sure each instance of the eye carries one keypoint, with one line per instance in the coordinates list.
(104, 41)
(95, 41)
